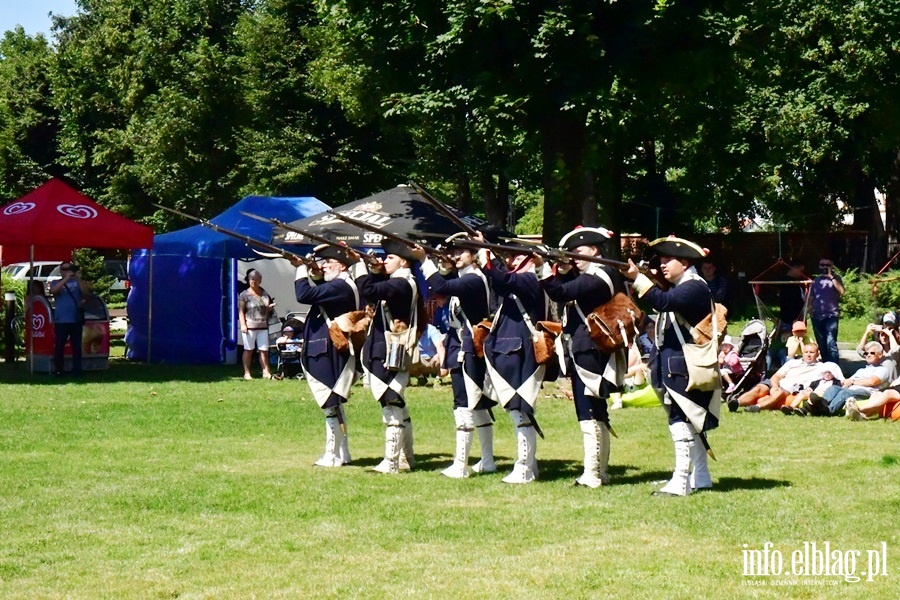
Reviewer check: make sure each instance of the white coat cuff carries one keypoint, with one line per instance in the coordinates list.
(482, 257)
(545, 271)
(642, 284)
(428, 268)
(358, 270)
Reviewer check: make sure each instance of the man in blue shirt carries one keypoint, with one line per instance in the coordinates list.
(68, 318)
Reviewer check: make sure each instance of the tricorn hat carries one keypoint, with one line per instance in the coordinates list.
(334, 252)
(585, 236)
(678, 247)
(399, 248)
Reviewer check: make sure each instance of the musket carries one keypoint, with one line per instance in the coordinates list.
(557, 254)
(544, 251)
(312, 236)
(442, 208)
(250, 241)
(391, 236)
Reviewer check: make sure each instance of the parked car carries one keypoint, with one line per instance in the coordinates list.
(22, 271)
(116, 268)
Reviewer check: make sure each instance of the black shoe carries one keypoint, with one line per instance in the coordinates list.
(814, 405)
(753, 408)
(787, 410)
(800, 412)
(733, 404)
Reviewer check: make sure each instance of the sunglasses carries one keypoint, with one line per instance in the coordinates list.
(871, 354)
(825, 265)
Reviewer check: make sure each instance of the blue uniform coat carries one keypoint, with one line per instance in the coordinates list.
(469, 300)
(397, 292)
(691, 299)
(592, 373)
(330, 373)
(514, 373)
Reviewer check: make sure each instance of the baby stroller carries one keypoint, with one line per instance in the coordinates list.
(287, 348)
(752, 350)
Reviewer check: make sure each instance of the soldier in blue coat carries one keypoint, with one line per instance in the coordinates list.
(391, 288)
(330, 372)
(514, 374)
(594, 374)
(681, 307)
(469, 304)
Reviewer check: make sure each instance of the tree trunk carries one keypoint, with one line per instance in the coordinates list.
(503, 202)
(563, 135)
(463, 192)
(495, 201)
(609, 185)
(868, 218)
(892, 207)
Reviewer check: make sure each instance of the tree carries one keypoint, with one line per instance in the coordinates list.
(492, 67)
(28, 121)
(149, 102)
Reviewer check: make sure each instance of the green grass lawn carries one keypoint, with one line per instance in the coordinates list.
(187, 482)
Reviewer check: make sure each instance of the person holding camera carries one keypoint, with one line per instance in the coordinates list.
(68, 318)
(825, 295)
(886, 334)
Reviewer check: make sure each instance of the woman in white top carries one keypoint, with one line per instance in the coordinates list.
(254, 307)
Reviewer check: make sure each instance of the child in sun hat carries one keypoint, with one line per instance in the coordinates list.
(729, 363)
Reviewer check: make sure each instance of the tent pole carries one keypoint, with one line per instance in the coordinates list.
(28, 326)
(150, 307)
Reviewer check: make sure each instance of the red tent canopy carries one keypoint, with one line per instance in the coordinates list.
(56, 217)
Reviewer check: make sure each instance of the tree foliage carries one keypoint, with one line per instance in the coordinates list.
(649, 116)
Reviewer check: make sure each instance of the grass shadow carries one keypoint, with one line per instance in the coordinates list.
(727, 484)
(424, 462)
(123, 370)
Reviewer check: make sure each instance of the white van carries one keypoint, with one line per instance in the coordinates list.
(22, 271)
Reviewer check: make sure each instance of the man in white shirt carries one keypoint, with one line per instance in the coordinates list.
(793, 376)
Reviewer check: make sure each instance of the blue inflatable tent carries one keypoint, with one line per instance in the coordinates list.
(188, 312)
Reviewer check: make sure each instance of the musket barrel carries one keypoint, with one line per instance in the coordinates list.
(239, 236)
(393, 236)
(312, 236)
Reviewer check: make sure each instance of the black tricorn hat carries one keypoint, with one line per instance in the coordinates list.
(399, 248)
(334, 252)
(585, 236)
(678, 247)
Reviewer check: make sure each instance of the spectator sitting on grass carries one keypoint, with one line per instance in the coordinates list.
(884, 404)
(795, 403)
(793, 376)
(431, 356)
(798, 338)
(872, 378)
(729, 364)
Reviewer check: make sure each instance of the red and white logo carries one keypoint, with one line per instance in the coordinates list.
(37, 321)
(17, 208)
(77, 211)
